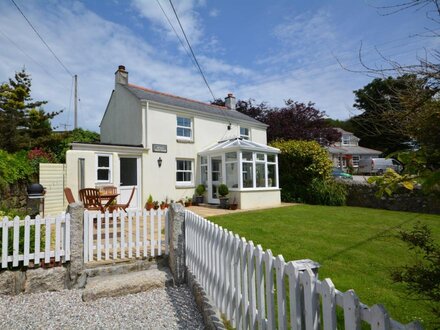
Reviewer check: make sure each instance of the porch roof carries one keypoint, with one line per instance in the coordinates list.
(237, 144)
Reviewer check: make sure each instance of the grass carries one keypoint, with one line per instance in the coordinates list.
(356, 247)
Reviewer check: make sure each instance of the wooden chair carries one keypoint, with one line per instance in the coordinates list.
(110, 190)
(123, 206)
(69, 195)
(91, 199)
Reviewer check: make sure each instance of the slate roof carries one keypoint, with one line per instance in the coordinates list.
(197, 106)
(353, 150)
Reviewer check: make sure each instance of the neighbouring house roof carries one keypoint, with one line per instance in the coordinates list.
(353, 150)
(205, 108)
(238, 144)
(340, 130)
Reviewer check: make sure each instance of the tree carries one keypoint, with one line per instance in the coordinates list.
(389, 106)
(23, 124)
(294, 121)
(63, 141)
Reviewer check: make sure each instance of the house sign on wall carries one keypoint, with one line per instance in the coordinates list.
(160, 148)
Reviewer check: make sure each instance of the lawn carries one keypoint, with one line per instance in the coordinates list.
(356, 247)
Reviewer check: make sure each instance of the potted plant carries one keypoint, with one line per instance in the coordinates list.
(200, 190)
(223, 191)
(233, 205)
(188, 201)
(163, 205)
(149, 204)
(155, 205)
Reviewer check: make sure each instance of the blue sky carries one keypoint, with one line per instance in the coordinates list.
(265, 50)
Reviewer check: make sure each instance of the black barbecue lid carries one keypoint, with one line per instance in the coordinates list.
(35, 189)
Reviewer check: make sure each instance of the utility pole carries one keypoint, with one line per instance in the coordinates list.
(75, 126)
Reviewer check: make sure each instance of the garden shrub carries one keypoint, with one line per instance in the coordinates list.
(14, 167)
(300, 162)
(326, 192)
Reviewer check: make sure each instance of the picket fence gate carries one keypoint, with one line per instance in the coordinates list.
(35, 229)
(125, 235)
(244, 282)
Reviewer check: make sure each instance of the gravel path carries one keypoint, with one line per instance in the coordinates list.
(169, 308)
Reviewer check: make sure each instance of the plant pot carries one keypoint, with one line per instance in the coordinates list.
(224, 202)
(163, 206)
(187, 204)
(233, 206)
(199, 199)
(149, 206)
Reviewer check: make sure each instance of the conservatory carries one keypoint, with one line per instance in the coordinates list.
(249, 169)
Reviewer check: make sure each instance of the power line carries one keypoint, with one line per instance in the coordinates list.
(177, 35)
(192, 52)
(41, 38)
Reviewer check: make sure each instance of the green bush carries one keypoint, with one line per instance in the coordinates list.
(326, 192)
(300, 162)
(14, 167)
(200, 190)
(223, 190)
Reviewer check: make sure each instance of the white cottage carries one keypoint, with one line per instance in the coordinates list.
(166, 145)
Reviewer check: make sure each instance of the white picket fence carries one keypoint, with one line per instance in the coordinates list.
(254, 289)
(135, 234)
(54, 230)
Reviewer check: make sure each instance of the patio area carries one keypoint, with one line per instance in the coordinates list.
(205, 211)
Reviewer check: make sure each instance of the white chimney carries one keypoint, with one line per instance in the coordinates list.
(230, 101)
(121, 76)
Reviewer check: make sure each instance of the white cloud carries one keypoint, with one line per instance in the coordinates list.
(214, 12)
(186, 10)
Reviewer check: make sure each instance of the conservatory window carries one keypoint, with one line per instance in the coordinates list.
(204, 170)
(231, 170)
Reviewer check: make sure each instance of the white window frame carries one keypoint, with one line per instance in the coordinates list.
(245, 136)
(346, 139)
(355, 160)
(109, 168)
(190, 128)
(191, 171)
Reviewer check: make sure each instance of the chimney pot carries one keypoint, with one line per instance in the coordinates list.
(121, 68)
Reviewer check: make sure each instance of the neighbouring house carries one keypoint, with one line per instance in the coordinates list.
(166, 145)
(347, 152)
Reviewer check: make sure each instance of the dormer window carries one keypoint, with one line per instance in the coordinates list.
(244, 133)
(184, 128)
(345, 140)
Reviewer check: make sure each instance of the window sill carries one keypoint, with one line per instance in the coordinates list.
(189, 186)
(184, 141)
(255, 189)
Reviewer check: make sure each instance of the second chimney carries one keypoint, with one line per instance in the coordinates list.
(121, 76)
(230, 101)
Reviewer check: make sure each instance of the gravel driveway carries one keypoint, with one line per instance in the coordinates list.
(169, 308)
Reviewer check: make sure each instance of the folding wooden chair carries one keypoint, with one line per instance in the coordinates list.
(69, 195)
(126, 205)
(91, 199)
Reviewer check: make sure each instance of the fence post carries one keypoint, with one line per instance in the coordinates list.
(76, 212)
(176, 230)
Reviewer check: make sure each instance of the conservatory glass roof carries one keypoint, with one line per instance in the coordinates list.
(238, 144)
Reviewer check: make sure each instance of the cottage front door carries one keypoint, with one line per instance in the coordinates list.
(130, 177)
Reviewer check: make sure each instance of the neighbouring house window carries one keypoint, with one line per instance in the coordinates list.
(231, 169)
(103, 168)
(184, 172)
(184, 128)
(345, 139)
(244, 133)
(355, 160)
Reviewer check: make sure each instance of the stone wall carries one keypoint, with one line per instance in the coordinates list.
(34, 280)
(363, 195)
(14, 196)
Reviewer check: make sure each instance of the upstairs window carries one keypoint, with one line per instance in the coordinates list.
(184, 128)
(244, 133)
(103, 168)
